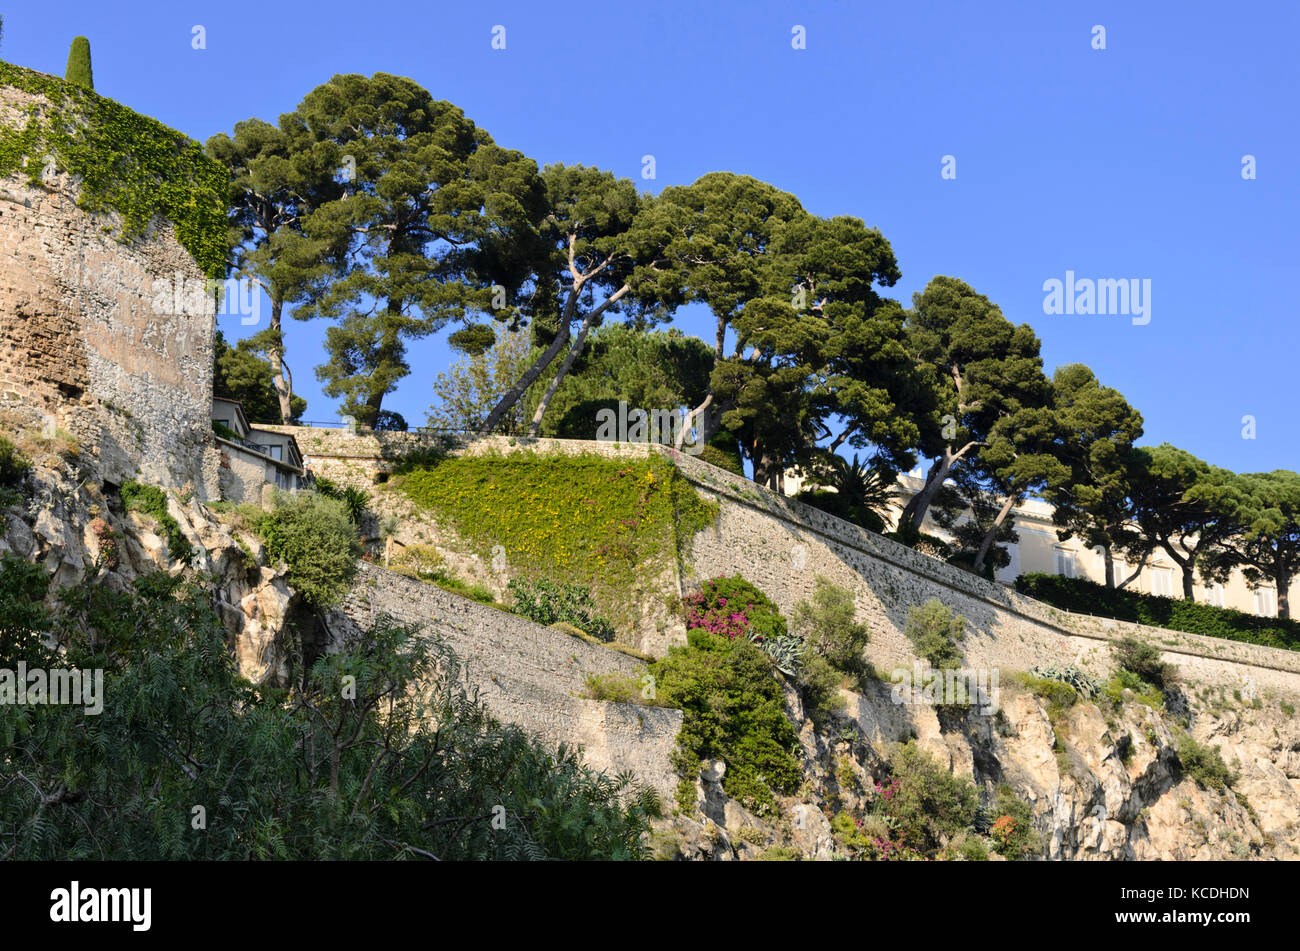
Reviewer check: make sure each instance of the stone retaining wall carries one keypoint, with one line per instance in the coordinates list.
(782, 546)
(532, 675)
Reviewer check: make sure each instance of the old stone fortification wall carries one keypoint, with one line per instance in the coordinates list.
(783, 545)
(531, 675)
(85, 335)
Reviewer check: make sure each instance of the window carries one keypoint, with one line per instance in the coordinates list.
(1265, 605)
(1064, 563)
(1216, 595)
(275, 452)
(1162, 582)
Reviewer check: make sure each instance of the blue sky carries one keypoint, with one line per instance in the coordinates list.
(1116, 163)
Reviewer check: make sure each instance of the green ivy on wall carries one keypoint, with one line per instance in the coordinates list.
(613, 525)
(124, 162)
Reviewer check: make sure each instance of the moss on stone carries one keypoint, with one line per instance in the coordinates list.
(123, 161)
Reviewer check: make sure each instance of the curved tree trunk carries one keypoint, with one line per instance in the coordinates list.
(579, 342)
(275, 354)
(986, 542)
(516, 392)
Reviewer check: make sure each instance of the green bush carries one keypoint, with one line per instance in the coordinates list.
(23, 618)
(1149, 694)
(734, 710)
(924, 802)
(1203, 763)
(827, 623)
(283, 777)
(935, 632)
(152, 501)
(549, 602)
(835, 644)
(354, 500)
(13, 465)
(78, 70)
(1143, 659)
(1087, 597)
(1016, 838)
(316, 538)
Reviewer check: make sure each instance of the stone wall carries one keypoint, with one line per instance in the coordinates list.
(531, 675)
(87, 335)
(783, 545)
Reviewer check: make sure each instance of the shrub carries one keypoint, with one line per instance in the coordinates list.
(13, 465)
(1059, 696)
(1149, 694)
(934, 632)
(23, 618)
(828, 626)
(1087, 597)
(616, 688)
(1203, 763)
(166, 661)
(923, 801)
(152, 501)
(732, 607)
(1143, 659)
(1013, 831)
(78, 70)
(354, 500)
(317, 539)
(850, 834)
(548, 602)
(734, 710)
(819, 684)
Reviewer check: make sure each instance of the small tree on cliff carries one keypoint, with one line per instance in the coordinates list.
(79, 64)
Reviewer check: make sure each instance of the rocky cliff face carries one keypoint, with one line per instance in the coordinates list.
(70, 523)
(1102, 782)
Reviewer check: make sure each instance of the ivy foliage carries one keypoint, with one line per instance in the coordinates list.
(123, 161)
(152, 501)
(611, 525)
(395, 773)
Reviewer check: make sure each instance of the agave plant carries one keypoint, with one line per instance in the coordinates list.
(786, 650)
(1083, 685)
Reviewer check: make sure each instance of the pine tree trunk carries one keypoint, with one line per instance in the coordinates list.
(987, 542)
(916, 507)
(1283, 582)
(579, 342)
(1109, 557)
(1188, 577)
(276, 355)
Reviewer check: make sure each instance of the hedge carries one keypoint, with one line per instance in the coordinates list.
(1088, 597)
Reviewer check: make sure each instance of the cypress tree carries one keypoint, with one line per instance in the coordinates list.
(79, 64)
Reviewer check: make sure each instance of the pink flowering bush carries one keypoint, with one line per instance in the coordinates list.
(732, 607)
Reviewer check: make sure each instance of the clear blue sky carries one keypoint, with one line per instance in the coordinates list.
(1122, 163)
